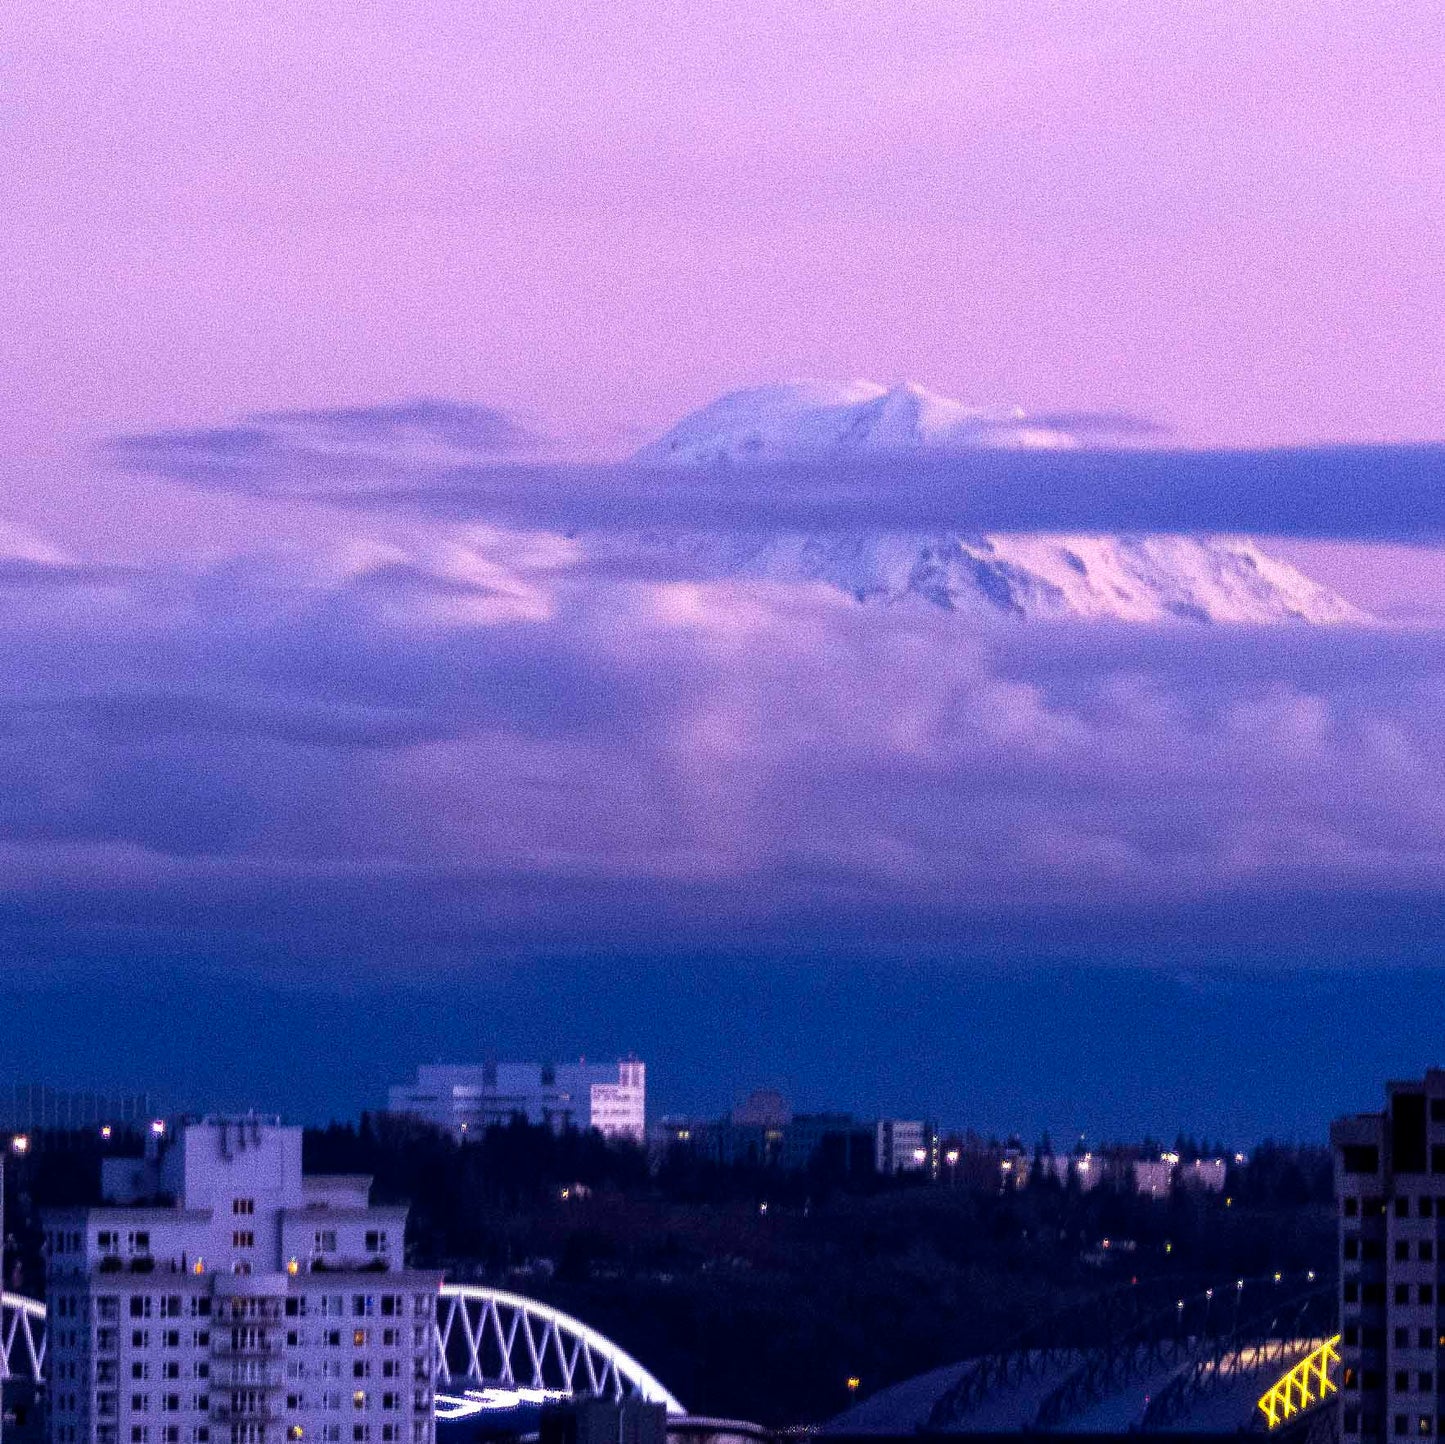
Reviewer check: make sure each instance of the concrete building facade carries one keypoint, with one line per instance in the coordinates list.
(221, 1296)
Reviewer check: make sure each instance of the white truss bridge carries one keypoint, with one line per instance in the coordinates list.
(22, 1337)
(494, 1350)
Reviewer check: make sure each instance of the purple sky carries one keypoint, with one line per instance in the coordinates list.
(232, 722)
(1224, 216)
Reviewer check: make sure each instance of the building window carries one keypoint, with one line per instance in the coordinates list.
(1427, 1293)
(1427, 1382)
(140, 1306)
(243, 1207)
(375, 1240)
(1352, 1291)
(1402, 1293)
(1427, 1250)
(325, 1242)
(1402, 1382)
(1352, 1246)
(1425, 1205)
(139, 1434)
(1402, 1250)
(243, 1238)
(1352, 1208)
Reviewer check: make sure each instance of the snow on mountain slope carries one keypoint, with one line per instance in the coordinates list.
(1125, 578)
(810, 418)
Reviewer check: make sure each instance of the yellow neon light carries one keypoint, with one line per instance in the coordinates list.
(1307, 1383)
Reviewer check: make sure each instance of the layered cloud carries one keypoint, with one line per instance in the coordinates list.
(458, 464)
(476, 743)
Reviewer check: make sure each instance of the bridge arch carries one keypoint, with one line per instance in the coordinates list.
(22, 1337)
(486, 1340)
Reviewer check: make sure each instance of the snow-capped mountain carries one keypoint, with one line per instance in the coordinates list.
(1125, 578)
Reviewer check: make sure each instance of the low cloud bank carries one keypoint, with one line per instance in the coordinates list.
(529, 757)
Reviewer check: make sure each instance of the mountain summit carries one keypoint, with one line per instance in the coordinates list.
(800, 419)
(1121, 578)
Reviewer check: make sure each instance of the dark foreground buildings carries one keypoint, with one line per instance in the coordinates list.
(1390, 1175)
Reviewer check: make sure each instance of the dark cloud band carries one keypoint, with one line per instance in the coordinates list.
(1377, 493)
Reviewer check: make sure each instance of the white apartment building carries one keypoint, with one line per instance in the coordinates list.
(468, 1097)
(904, 1145)
(220, 1296)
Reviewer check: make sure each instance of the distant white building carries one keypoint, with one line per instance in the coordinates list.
(220, 1296)
(904, 1145)
(1154, 1177)
(470, 1097)
(1206, 1173)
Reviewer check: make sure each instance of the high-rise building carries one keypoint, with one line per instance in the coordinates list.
(221, 1296)
(1390, 1181)
(467, 1097)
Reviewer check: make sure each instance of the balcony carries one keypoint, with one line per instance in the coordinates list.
(250, 1411)
(245, 1344)
(240, 1372)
